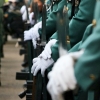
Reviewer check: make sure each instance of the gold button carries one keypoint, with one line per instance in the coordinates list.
(65, 9)
(92, 76)
(68, 42)
(61, 21)
(68, 39)
(94, 22)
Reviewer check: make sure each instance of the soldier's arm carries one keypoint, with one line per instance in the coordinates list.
(87, 68)
(80, 20)
(51, 21)
(55, 53)
(77, 24)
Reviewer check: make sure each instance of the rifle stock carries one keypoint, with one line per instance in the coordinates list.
(63, 32)
(38, 81)
(34, 87)
(36, 11)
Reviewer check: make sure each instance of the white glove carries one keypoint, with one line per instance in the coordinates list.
(28, 35)
(33, 33)
(46, 53)
(24, 16)
(62, 77)
(54, 92)
(40, 64)
(24, 13)
(23, 9)
(31, 18)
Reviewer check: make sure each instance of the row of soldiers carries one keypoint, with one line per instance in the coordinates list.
(76, 66)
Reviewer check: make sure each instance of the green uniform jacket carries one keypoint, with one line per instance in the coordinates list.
(79, 45)
(51, 20)
(87, 68)
(77, 24)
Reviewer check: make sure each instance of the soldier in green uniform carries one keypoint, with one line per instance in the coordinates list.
(77, 27)
(78, 24)
(50, 53)
(89, 62)
(35, 32)
(86, 71)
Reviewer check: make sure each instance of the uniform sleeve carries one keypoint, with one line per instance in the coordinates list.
(55, 52)
(77, 25)
(80, 21)
(51, 21)
(87, 68)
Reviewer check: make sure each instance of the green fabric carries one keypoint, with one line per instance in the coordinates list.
(51, 20)
(1, 15)
(87, 68)
(55, 55)
(87, 33)
(69, 5)
(77, 24)
(75, 48)
(1, 2)
(81, 20)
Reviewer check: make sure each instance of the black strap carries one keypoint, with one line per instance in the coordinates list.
(73, 8)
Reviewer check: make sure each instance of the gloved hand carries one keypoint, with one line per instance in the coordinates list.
(33, 33)
(23, 9)
(56, 94)
(32, 21)
(24, 13)
(62, 77)
(24, 16)
(46, 53)
(40, 64)
(28, 35)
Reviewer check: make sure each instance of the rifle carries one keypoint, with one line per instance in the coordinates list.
(43, 43)
(40, 83)
(34, 86)
(63, 32)
(36, 11)
(30, 55)
(29, 43)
